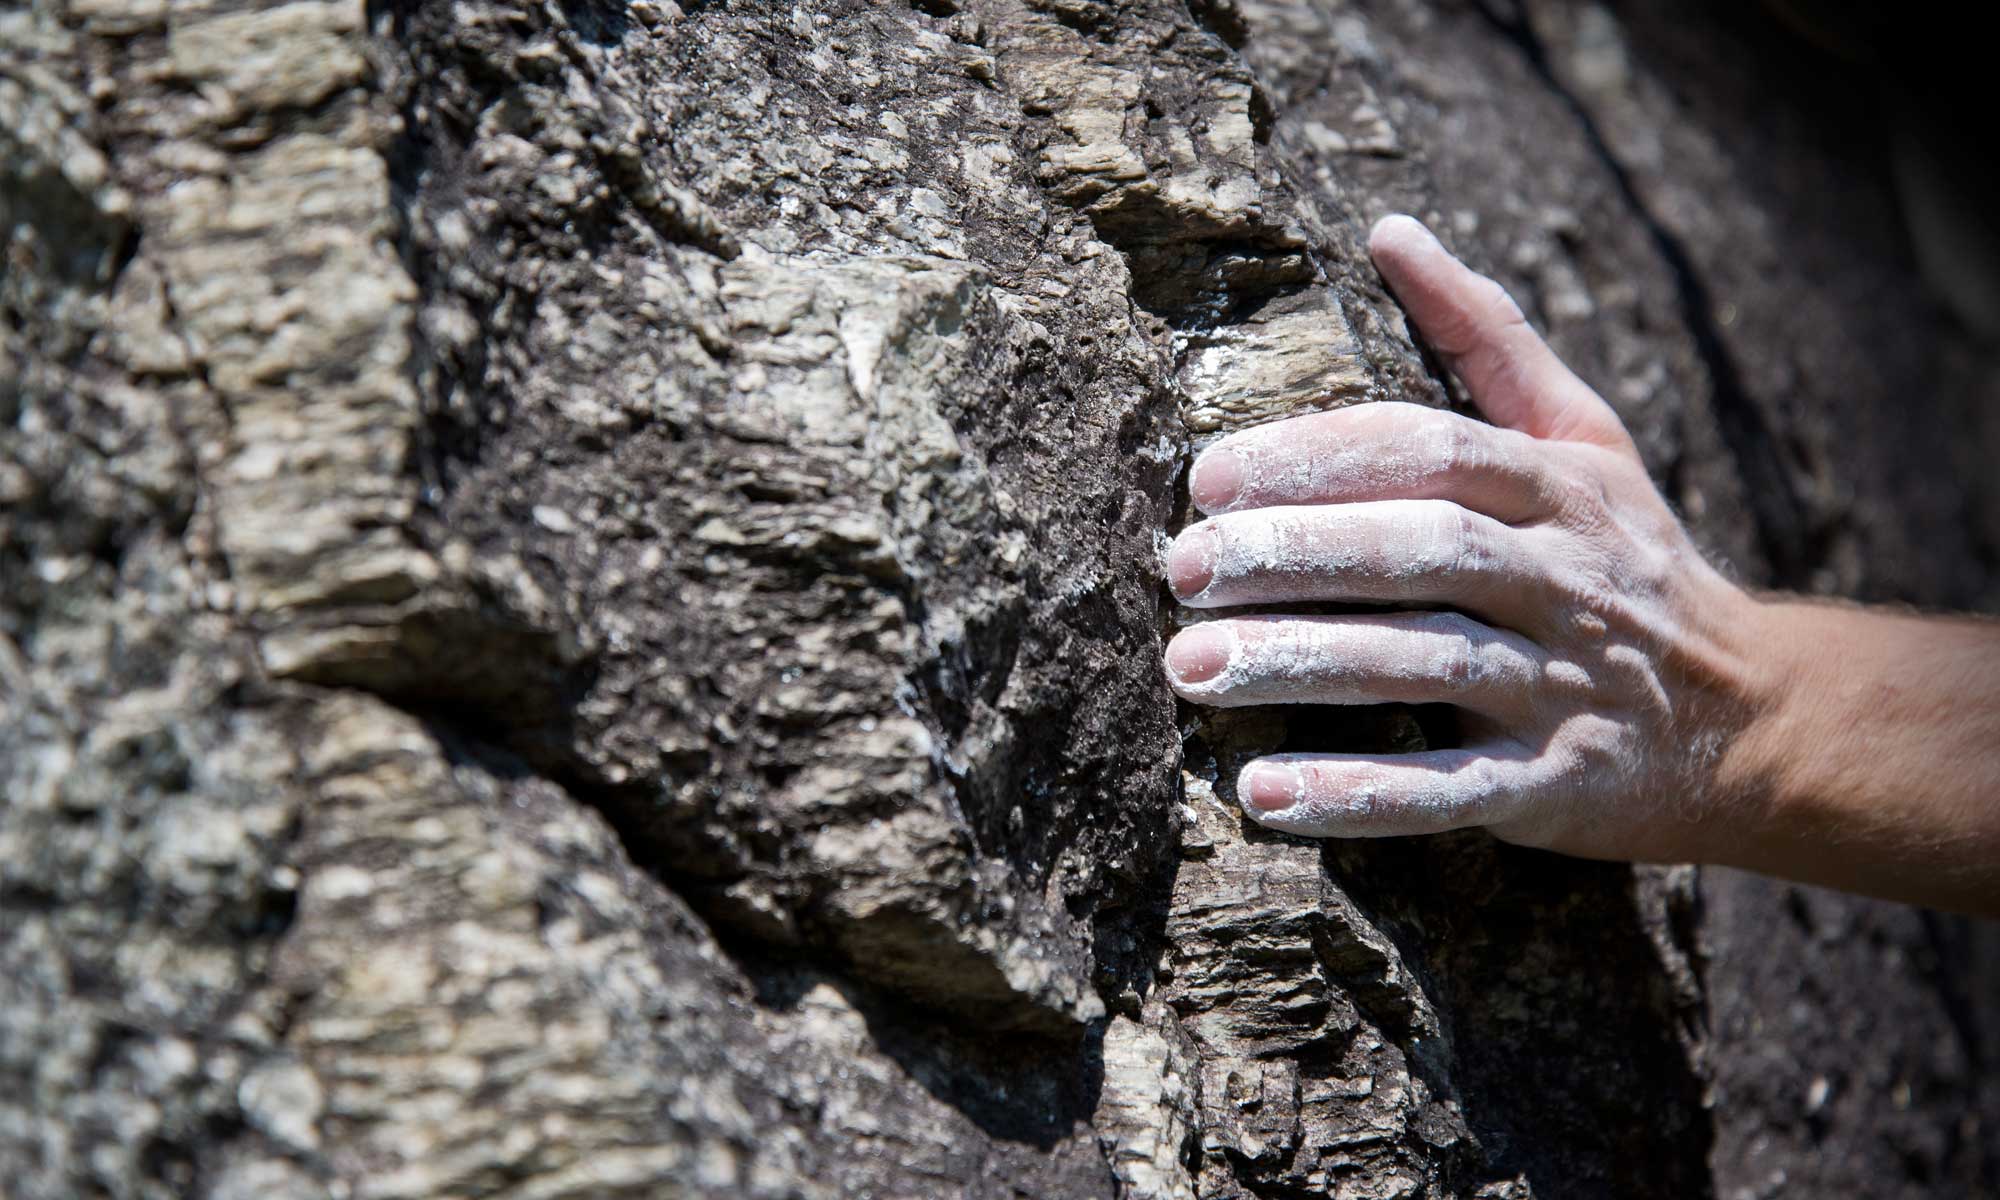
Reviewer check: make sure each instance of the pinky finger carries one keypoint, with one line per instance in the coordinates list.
(1364, 795)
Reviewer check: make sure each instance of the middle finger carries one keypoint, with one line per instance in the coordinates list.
(1429, 552)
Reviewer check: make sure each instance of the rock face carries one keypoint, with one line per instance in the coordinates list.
(579, 606)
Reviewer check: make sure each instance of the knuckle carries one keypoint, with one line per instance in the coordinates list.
(1386, 428)
(1469, 551)
(1395, 417)
(1498, 305)
(1369, 806)
(1583, 499)
(1579, 589)
(1457, 445)
(1484, 784)
(1535, 467)
(1439, 541)
(1470, 797)
(1462, 665)
(1461, 661)
(1316, 432)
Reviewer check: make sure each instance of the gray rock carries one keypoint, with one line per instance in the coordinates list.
(580, 616)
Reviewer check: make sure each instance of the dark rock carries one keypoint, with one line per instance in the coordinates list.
(579, 603)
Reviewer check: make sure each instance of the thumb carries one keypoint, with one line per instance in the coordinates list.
(1470, 320)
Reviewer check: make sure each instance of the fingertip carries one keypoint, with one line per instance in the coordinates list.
(1200, 654)
(1397, 236)
(1268, 787)
(1191, 561)
(1217, 478)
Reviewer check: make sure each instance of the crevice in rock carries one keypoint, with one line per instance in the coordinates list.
(1223, 18)
(1956, 999)
(1793, 539)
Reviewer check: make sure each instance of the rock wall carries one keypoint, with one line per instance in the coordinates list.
(579, 606)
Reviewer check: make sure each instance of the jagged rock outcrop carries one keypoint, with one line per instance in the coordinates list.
(580, 616)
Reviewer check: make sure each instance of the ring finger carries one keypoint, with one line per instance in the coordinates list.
(1410, 658)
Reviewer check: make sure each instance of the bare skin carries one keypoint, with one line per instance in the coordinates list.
(1622, 699)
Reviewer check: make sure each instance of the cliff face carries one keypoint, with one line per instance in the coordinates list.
(581, 610)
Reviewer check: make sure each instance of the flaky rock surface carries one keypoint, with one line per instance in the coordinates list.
(579, 607)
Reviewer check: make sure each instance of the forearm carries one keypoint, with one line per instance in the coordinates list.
(1872, 760)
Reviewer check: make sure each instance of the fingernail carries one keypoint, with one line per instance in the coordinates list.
(1217, 478)
(1271, 786)
(1200, 654)
(1191, 563)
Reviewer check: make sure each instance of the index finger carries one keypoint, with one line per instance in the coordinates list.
(1391, 450)
(1513, 376)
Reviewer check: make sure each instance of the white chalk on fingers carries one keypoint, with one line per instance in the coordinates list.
(1414, 658)
(1373, 451)
(1383, 550)
(1396, 795)
(1393, 450)
(1399, 231)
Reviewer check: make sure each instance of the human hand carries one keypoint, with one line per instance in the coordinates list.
(1602, 666)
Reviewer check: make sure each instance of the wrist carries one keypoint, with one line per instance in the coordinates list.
(1768, 657)
(1865, 757)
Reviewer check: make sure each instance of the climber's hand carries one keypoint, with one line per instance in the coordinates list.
(1594, 653)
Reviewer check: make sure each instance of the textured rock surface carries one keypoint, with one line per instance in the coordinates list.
(579, 609)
